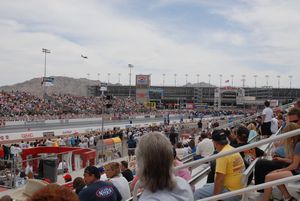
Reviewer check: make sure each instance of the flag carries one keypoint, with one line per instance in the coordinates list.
(130, 65)
(226, 81)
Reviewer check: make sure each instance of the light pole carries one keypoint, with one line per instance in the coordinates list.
(278, 81)
(198, 78)
(243, 80)
(267, 80)
(255, 76)
(290, 77)
(119, 75)
(163, 79)
(108, 76)
(130, 67)
(98, 74)
(175, 75)
(186, 78)
(46, 51)
(209, 76)
(220, 80)
(231, 80)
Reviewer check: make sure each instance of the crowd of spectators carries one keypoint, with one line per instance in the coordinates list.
(24, 106)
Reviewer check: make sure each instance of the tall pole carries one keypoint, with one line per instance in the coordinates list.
(290, 77)
(46, 51)
(119, 75)
(198, 78)
(231, 80)
(163, 84)
(186, 79)
(255, 76)
(175, 75)
(278, 81)
(243, 80)
(267, 80)
(209, 75)
(130, 67)
(108, 76)
(98, 74)
(220, 80)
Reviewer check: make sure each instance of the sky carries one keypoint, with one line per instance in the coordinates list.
(183, 37)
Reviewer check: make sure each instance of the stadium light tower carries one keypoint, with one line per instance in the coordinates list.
(108, 76)
(175, 75)
(198, 78)
(220, 80)
(278, 81)
(119, 75)
(231, 80)
(186, 78)
(163, 84)
(255, 76)
(243, 80)
(267, 80)
(46, 51)
(130, 67)
(290, 77)
(98, 74)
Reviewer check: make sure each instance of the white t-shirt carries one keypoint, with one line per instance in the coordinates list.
(122, 185)
(181, 192)
(205, 148)
(268, 113)
(274, 125)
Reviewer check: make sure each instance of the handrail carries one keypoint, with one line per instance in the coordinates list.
(240, 149)
(253, 188)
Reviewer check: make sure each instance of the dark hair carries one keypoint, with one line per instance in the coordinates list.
(203, 135)
(294, 111)
(267, 103)
(242, 134)
(124, 163)
(92, 170)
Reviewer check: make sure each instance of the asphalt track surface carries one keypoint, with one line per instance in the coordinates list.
(83, 124)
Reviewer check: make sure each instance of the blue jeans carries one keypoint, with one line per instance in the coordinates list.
(207, 191)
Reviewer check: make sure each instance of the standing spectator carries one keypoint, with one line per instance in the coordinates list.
(98, 190)
(205, 147)
(131, 146)
(127, 173)
(267, 115)
(154, 153)
(200, 124)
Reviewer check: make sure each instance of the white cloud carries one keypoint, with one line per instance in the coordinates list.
(112, 39)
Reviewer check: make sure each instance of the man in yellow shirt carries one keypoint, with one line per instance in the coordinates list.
(229, 170)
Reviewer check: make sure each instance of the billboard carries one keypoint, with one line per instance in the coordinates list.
(142, 81)
(156, 93)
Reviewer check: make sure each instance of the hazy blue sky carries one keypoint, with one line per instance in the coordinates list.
(162, 36)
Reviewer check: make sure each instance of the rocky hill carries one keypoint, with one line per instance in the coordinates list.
(62, 85)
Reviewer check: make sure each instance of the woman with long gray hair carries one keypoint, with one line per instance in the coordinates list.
(154, 156)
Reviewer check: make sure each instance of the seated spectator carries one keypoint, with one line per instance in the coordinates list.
(183, 173)
(96, 189)
(205, 147)
(113, 173)
(54, 192)
(103, 176)
(155, 152)
(181, 150)
(292, 147)
(228, 170)
(67, 177)
(127, 173)
(78, 184)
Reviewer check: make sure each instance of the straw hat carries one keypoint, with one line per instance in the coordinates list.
(29, 189)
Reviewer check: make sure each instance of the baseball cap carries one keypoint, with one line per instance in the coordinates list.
(92, 170)
(219, 136)
(67, 177)
(101, 169)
